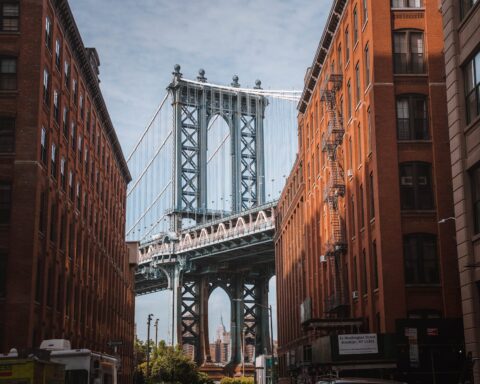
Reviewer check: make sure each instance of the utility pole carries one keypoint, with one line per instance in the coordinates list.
(156, 334)
(150, 316)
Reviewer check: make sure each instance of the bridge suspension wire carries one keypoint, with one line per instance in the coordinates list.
(289, 95)
(149, 125)
(150, 196)
(149, 208)
(144, 171)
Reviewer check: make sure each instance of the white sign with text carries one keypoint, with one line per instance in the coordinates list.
(356, 344)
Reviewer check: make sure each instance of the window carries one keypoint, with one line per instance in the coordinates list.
(353, 215)
(349, 99)
(350, 153)
(65, 122)
(63, 181)
(475, 182)
(369, 121)
(354, 272)
(53, 222)
(367, 66)
(357, 83)
(48, 33)
(80, 148)
(67, 74)
(79, 192)
(43, 146)
(57, 54)
(372, 196)
(355, 24)
(347, 46)
(72, 135)
(364, 273)
(3, 272)
(466, 5)
(362, 211)
(75, 91)
(9, 17)
(415, 186)
(408, 52)
(412, 121)
(53, 168)
(339, 54)
(5, 201)
(81, 107)
(365, 11)
(8, 73)
(359, 150)
(43, 210)
(70, 184)
(407, 3)
(56, 114)
(46, 88)
(7, 134)
(472, 88)
(420, 257)
(375, 264)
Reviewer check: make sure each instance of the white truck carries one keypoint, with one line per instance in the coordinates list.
(82, 366)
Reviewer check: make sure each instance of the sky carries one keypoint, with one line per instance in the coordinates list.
(139, 42)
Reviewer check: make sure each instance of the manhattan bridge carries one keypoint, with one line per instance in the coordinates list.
(207, 171)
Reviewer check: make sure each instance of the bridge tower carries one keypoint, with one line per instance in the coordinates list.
(195, 104)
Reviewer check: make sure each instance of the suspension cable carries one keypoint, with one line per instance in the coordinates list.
(149, 125)
(149, 208)
(218, 148)
(149, 164)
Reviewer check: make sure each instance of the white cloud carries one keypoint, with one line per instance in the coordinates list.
(139, 41)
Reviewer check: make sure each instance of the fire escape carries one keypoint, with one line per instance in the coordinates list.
(336, 303)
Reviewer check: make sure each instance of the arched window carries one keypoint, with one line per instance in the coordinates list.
(420, 258)
(408, 51)
(412, 117)
(416, 186)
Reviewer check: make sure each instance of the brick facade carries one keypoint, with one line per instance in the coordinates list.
(66, 267)
(390, 258)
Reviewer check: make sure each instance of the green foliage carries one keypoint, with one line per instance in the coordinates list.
(237, 380)
(170, 365)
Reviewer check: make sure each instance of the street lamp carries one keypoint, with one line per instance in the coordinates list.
(269, 307)
(149, 320)
(441, 221)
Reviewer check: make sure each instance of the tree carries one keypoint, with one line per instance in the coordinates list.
(170, 365)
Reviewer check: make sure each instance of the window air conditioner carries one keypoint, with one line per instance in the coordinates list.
(349, 173)
(355, 295)
(323, 259)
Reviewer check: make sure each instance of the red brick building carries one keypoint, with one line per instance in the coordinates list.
(359, 246)
(65, 270)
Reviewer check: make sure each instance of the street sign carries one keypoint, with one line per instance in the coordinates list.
(115, 343)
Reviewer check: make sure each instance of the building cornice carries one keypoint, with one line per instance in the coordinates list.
(315, 69)
(74, 38)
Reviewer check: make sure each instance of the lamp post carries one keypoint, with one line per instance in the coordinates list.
(270, 315)
(156, 334)
(149, 320)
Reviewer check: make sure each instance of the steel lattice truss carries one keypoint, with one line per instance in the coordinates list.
(195, 105)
